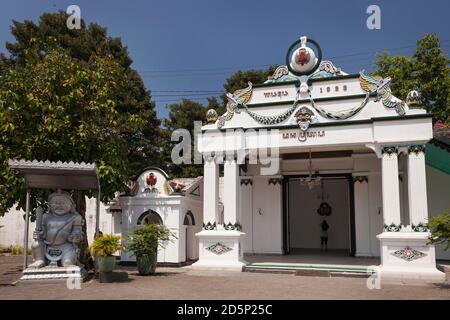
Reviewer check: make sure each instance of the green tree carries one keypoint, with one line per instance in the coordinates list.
(426, 71)
(240, 79)
(182, 116)
(92, 40)
(440, 230)
(56, 107)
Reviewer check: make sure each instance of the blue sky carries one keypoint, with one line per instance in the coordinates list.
(195, 45)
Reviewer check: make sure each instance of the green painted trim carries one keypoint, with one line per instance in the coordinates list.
(305, 267)
(333, 124)
(274, 84)
(290, 102)
(344, 76)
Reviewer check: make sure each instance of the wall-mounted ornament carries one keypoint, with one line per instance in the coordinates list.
(413, 98)
(238, 98)
(303, 60)
(151, 182)
(329, 68)
(211, 116)
(382, 88)
(219, 248)
(408, 254)
(304, 117)
(324, 209)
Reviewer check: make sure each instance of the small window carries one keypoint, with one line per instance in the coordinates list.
(149, 217)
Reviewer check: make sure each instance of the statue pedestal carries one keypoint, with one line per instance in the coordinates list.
(47, 273)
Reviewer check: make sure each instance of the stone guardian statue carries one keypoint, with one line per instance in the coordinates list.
(58, 233)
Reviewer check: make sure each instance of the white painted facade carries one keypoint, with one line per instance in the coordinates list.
(171, 208)
(358, 130)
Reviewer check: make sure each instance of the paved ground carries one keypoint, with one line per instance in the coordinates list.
(180, 283)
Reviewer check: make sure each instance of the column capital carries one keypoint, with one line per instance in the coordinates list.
(416, 149)
(389, 150)
(360, 179)
(246, 180)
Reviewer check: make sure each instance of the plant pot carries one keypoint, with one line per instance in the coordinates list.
(106, 264)
(146, 264)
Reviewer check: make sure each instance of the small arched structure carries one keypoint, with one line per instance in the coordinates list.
(154, 197)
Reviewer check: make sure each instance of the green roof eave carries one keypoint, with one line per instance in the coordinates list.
(437, 157)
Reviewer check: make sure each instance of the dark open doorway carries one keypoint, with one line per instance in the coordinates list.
(301, 221)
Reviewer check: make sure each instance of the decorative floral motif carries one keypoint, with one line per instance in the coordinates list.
(329, 67)
(231, 226)
(275, 181)
(219, 248)
(408, 254)
(360, 179)
(416, 149)
(210, 226)
(271, 120)
(338, 115)
(246, 181)
(392, 227)
(421, 227)
(389, 150)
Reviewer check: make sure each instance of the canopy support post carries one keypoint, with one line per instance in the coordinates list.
(27, 225)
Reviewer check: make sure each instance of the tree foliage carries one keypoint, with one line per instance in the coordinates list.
(440, 230)
(71, 95)
(426, 71)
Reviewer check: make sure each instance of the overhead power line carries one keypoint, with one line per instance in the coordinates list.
(148, 73)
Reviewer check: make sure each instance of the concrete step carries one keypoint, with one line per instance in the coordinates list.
(310, 270)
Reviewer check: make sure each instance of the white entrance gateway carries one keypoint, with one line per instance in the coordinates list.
(320, 124)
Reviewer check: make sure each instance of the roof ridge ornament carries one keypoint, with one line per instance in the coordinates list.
(382, 86)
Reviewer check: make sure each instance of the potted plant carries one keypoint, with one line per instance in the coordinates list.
(143, 241)
(103, 248)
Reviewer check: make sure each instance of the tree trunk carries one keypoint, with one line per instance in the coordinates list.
(80, 203)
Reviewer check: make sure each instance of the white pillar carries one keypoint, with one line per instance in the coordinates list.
(405, 254)
(417, 185)
(390, 186)
(210, 191)
(231, 192)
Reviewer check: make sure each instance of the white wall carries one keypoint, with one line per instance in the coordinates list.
(13, 221)
(262, 215)
(304, 221)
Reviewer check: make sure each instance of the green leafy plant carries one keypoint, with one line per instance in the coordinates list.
(105, 245)
(145, 239)
(16, 250)
(440, 229)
